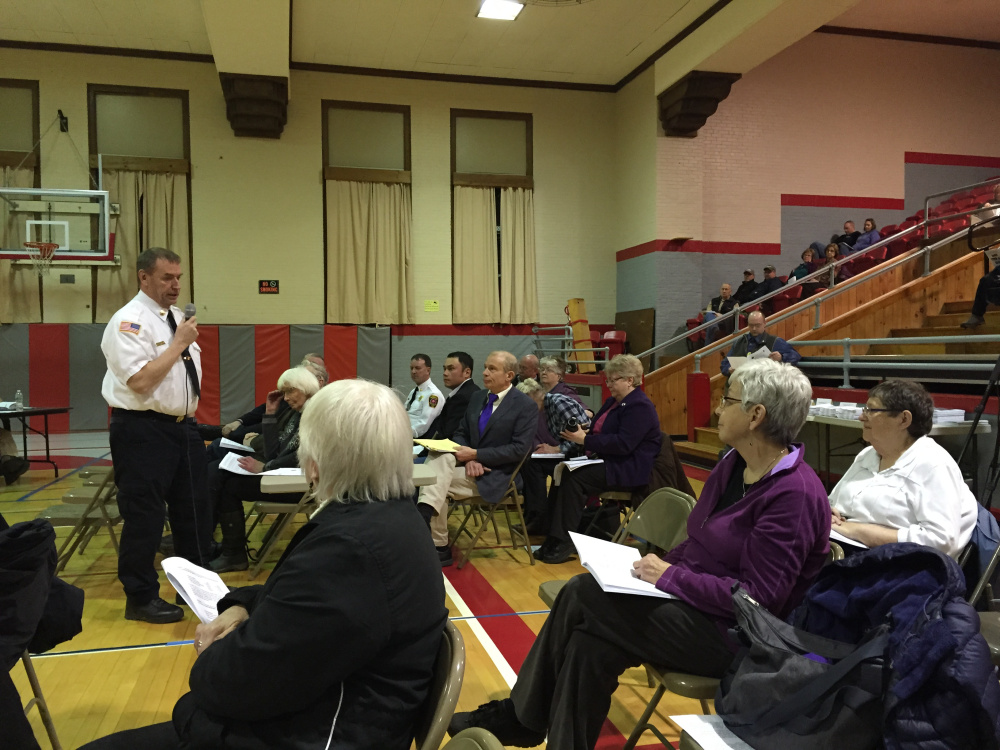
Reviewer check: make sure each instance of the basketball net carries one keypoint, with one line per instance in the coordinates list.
(40, 254)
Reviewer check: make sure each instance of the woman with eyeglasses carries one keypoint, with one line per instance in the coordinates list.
(762, 522)
(904, 487)
(625, 433)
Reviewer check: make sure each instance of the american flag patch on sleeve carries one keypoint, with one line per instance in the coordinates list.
(127, 327)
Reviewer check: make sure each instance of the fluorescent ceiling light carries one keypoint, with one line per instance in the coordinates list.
(503, 10)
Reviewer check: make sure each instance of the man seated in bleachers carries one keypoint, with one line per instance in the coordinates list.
(771, 283)
(754, 339)
(865, 240)
(718, 306)
(987, 293)
(849, 238)
(745, 291)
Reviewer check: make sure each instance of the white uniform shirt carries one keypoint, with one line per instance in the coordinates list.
(137, 334)
(922, 495)
(426, 405)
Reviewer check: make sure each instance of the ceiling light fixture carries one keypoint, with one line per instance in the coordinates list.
(502, 10)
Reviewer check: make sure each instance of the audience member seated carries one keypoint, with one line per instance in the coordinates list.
(277, 450)
(718, 306)
(746, 291)
(849, 237)
(628, 441)
(992, 208)
(338, 648)
(865, 240)
(12, 464)
(754, 339)
(830, 256)
(558, 410)
(904, 487)
(987, 293)
(458, 378)
(806, 267)
(527, 367)
(250, 422)
(425, 401)
(495, 433)
(771, 283)
(762, 522)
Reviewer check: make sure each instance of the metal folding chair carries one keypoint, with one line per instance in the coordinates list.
(38, 700)
(286, 513)
(87, 510)
(446, 684)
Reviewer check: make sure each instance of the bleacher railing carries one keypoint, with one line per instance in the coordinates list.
(834, 289)
(544, 348)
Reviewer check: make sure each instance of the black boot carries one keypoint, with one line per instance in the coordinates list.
(234, 544)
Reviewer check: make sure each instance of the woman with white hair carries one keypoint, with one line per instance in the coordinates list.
(762, 521)
(275, 448)
(337, 649)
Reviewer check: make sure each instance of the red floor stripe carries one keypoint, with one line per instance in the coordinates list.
(510, 634)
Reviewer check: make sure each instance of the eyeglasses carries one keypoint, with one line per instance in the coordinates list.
(615, 379)
(867, 410)
(731, 399)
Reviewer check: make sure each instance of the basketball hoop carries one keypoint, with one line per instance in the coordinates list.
(40, 254)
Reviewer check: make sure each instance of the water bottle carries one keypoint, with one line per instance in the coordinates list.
(19, 400)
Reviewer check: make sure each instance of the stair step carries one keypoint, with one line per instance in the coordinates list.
(961, 307)
(699, 451)
(983, 330)
(708, 436)
(956, 319)
(908, 349)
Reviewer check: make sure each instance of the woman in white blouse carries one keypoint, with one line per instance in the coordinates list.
(904, 487)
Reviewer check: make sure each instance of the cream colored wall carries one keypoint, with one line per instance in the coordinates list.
(257, 206)
(635, 162)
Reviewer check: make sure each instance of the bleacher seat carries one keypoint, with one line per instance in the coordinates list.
(862, 263)
(786, 299)
(886, 231)
(615, 341)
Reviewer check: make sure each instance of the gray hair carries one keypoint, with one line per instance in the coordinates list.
(553, 364)
(147, 258)
(318, 370)
(897, 395)
(782, 389)
(530, 386)
(509, 360)
(626, 366)
(300, 378)
(355, 442)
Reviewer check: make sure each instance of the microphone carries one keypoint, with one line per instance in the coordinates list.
(189, 310)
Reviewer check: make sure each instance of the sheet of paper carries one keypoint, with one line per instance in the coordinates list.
(558, 456)
(572, 465)
(836, 536)
(439, 446)
(735, 362)
(232, 445)
(710, 732)
(762, 353)
(230, 461)
(288, 472)
(611, 565)
(202, 589)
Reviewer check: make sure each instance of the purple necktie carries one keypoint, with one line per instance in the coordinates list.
(487, 411)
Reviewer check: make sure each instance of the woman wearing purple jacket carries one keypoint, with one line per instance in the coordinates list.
(762, 521)
(626, 434)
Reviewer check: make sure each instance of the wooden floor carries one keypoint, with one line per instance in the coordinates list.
(119, 674)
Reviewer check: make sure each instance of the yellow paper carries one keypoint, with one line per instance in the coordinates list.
(441, 446)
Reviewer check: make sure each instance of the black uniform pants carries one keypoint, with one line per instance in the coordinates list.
(159, 468)
(590, 637)
(988, 291)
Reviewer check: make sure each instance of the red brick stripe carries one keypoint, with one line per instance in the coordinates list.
(951, 160)
(841, 201)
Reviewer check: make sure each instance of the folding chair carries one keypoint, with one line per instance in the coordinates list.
(473, 738)
(87, 510)
(511, 500)
(38, 699)
(446, 684)
(286, 513)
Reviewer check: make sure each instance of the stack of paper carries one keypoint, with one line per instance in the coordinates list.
(611, 566)
(202, 589)
(439, 446)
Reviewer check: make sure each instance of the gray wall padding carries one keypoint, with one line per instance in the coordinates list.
(236, 363)
(304, 339)
(87, 368)
(374, 354)
(14, 361)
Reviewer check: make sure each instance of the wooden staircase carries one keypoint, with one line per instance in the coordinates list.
(704, 450)
(946, 323)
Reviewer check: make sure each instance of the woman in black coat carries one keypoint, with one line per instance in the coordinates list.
(337, 649)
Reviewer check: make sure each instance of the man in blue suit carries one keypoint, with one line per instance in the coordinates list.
(495, 433)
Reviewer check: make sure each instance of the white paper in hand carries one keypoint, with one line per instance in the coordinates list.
(202, 589)
(231, 462)
(232, 445)
(611, 566)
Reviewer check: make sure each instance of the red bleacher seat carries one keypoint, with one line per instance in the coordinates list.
(886, 231)
(615, 341)
(962, 196)
(907, 224)
(864, 262)
(896, 248)
(786, 299)
(595, 341)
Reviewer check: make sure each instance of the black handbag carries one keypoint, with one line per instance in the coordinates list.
(792, 689)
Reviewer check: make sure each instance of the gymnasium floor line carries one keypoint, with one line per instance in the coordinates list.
(64, 476)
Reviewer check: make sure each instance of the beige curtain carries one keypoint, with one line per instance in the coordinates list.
(518, 283)
(163, 200)
(369, 256)
(20, 299)
(475, 287)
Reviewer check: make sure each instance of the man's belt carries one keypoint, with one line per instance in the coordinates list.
(154, 415)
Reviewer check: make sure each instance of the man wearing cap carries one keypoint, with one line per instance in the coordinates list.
(747, 290)
(771, 283)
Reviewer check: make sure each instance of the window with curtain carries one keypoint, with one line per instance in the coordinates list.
(20, 288)
(366, 169)
(493, 241)
(142, 138)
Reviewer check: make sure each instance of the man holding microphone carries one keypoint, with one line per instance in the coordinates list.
(153, 384)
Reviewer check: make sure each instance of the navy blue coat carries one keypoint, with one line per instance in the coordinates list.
(629, 440)
(943, 692)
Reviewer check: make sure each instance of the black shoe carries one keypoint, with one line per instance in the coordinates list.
(497, 717)
(13, 467)
(444, 554)
(156, 611)
(229, 563)
(974, 321)
(543, 550)
(559, 553)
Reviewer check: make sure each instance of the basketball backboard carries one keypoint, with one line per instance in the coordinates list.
(77, 220)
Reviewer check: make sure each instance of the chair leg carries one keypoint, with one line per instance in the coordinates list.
(39, 700)
(705, 708)
(270, 539)
(643, 722)
(524, 536)
(466, 554)
(454, 540)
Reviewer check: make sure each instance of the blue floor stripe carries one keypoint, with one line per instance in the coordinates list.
(64, 476)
